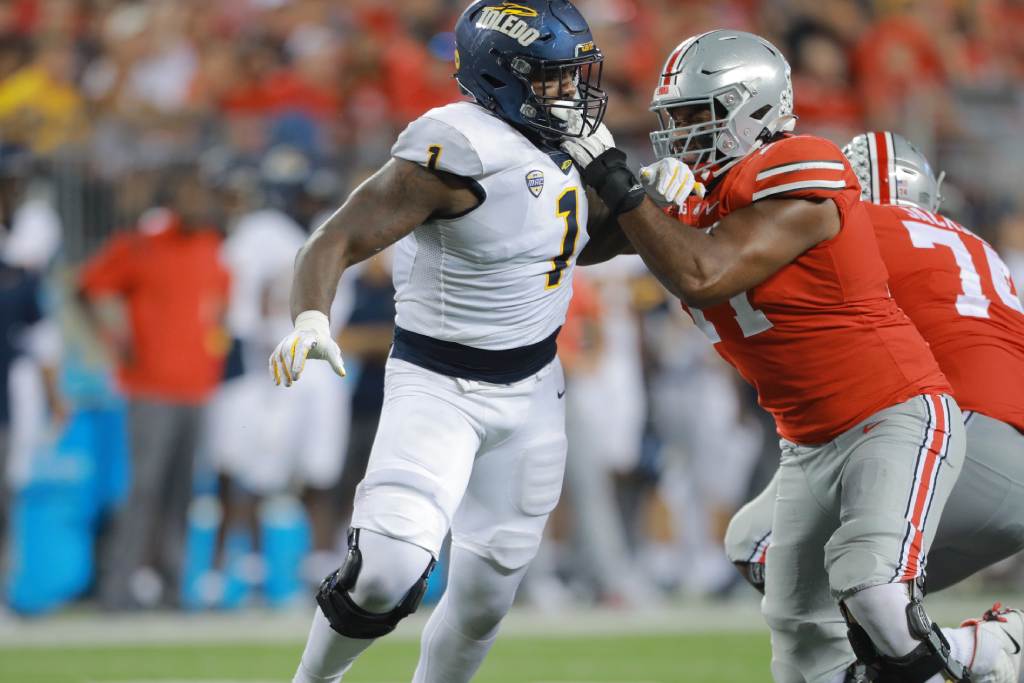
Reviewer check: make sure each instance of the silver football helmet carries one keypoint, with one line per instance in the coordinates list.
(893, 171)
(743, 83)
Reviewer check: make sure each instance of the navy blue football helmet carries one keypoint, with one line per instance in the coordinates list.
(533, 63)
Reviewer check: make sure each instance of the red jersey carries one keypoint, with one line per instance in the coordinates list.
(821, 340)
(176, 290)
(959, 294)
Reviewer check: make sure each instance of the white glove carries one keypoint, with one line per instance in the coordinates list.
(311, 338)
(671, 181)
(585, 150)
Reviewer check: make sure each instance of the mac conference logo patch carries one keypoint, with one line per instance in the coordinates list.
(535, 182)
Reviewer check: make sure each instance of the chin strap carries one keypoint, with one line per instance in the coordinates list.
(784, 124)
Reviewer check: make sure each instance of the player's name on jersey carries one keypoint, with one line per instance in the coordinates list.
(935, 219)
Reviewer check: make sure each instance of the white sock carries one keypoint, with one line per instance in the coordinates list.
(882, 612)
(446, 654)
(464, 626)
(328, 654)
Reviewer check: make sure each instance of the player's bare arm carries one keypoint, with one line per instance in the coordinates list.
(606, 237)
(701, 268)
(389, 205)
(704, 268)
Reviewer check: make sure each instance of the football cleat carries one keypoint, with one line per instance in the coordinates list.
(1006, 627)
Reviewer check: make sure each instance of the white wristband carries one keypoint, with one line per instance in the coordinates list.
(314, 321)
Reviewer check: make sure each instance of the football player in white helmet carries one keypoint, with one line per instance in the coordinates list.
(786, 280)
(979, 345)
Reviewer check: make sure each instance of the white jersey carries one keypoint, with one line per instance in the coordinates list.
(499, 276)
(260, 254)
(261, 246)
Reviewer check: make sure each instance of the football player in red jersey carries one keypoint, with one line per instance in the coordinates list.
(959, 294)
(786, 279)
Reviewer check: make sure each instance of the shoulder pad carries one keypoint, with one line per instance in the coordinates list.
(463, 139)
(801, 166)
(435, 143)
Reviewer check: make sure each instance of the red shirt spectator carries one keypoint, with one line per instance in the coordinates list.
(417, 80)
(824, 97)
(580, 338)
(896, 57)
(283, 91)
(175, 289)
(1002, 24)
(823, 107)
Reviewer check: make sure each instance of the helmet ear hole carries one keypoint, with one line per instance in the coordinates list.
(492, 81)
(760, 113)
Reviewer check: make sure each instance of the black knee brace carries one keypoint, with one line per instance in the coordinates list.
(348, 618)
(931, 657)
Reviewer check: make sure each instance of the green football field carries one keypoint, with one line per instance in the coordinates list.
(693, 658)
(688, 642)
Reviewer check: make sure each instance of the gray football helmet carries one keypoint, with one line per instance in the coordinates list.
(893, 171)
(741, 79)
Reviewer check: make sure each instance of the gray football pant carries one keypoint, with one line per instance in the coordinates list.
(599, 529)
(149, 529)
(982, 524)
(984, 518)
(983, 521)
(859, 511)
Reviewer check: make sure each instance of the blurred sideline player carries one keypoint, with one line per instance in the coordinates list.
(698, 446)
(786, 280)
(957, 291)
(605, 414)
(32, 407)
(262, 438)
(366, 337)
(610, 402)
(490, 218)
(599, 352)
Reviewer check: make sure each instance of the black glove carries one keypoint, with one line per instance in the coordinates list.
(615, 184)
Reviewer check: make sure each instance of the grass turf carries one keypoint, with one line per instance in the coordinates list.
(695, 658)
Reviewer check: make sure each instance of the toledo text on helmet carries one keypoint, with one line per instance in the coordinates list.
(505, 19)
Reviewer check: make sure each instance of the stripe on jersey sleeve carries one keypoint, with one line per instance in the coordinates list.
(800, 166)
(816, 184)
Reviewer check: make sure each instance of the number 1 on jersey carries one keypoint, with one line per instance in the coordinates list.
(567, 208)
(752, 321)
(433, 154)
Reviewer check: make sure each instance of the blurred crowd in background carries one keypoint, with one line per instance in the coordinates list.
(162, 161)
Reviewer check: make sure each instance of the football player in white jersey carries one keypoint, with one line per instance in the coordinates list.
(490, 218)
